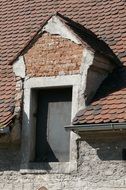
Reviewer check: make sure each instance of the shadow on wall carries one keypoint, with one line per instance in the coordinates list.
(115, 82)
(9, 157)
(105, 149)
(37, 162)
(10, 153)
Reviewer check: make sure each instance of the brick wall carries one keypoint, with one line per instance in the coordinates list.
(53, 55)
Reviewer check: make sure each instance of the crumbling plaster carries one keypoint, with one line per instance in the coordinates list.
(88, 170)
(19, 67)
(56, 26)
(19, 70)
(96, 73)
(87, 61)
(79, 82)
(99, 167)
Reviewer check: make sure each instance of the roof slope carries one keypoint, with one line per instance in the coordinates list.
(109, 103)
(21, 19)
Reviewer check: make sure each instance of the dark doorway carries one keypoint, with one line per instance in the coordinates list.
(53, 113)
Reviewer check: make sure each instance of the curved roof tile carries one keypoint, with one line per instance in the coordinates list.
(21, 19)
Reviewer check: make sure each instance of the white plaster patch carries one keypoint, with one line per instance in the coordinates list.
(19, 67)
(67, 80)
(87, 61)
(55, 26)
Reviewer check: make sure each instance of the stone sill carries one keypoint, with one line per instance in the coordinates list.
(49, 168)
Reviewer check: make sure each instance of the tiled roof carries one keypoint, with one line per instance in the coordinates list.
(89, 39)
(21, 19)
(109, 103)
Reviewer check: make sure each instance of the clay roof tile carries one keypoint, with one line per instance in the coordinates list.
(20, 20)
(112, 106)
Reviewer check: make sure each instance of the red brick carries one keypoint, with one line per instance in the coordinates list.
(52, 54)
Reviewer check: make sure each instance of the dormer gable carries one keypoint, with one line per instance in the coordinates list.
(62, 47)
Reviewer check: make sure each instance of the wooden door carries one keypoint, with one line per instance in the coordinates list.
(54, 112)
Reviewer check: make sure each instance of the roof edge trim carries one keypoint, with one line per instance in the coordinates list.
(97, 127)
